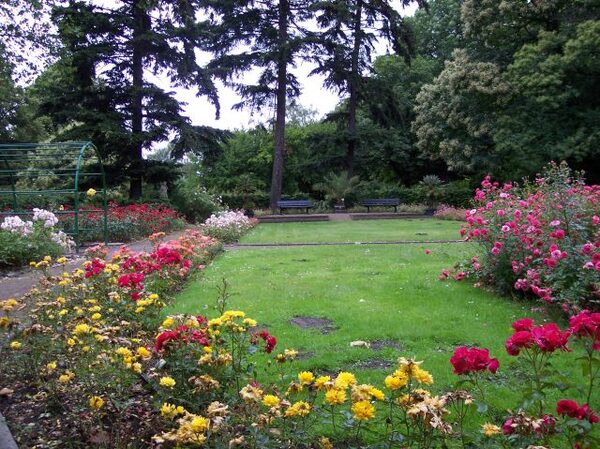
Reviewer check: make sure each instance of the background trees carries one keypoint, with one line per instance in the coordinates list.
(467, 88)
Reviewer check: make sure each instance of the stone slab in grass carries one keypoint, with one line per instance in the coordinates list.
(312, 322)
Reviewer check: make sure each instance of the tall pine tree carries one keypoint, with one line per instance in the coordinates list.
(268, 36)
(343, 47)
(110, 51)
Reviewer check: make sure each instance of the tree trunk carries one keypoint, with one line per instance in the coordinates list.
(137, 113)
(353, 90)
(277, 177)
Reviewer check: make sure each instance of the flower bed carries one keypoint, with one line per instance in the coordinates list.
(24, 240)
(98, 365)
(541, 239)
(125, 223)
(445, 212)
(228, 226)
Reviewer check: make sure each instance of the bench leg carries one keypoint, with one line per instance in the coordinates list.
(396, 209)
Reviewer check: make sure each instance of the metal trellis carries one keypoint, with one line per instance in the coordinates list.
(45, 175)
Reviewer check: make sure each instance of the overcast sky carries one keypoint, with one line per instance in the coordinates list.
(314, 96)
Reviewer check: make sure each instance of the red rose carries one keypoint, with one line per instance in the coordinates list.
(524, 324)
(567, 407)
(469, 360)
(518, 341)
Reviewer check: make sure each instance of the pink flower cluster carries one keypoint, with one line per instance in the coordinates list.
(542, 238)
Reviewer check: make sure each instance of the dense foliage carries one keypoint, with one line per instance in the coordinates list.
(539, 238)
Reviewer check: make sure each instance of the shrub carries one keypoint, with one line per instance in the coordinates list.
(125, 223)
(228, 226)
(540, 238)
(23, 241)
(445, 212)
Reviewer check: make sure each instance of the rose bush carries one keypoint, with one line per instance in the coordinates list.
(541, 239)
(125, 223)
(106, 367)
(24, 240)
(228, 226)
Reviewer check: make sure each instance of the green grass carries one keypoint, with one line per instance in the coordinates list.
(354, 231)
(370, 293)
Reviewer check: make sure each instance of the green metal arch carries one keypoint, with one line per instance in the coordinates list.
(17, 160)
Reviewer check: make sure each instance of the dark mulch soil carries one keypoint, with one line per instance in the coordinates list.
(41, 419)
(311, 322)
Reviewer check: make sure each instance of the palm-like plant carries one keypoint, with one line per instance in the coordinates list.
(336, 187)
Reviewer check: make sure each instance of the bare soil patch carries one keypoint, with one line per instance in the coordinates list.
(311, 322)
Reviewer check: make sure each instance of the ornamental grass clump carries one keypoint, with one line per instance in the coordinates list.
(228, 226)
(541, 239)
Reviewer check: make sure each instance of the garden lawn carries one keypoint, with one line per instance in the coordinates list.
(355, 231)
(370, 293)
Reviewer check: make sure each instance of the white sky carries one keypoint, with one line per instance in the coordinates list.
(314, 96)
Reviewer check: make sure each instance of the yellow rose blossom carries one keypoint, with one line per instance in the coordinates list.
(168, 323)
(306, 377)
(396, 382)
(335, 396)
(271, 400)
(250, 322)
(96, 402)
(363, 410)
(82, 329)
(489, 430)
(91, 192)
(171, 411)
(137, 368)
(300, 408)
(140, 309)
(124, 352)
(96, 316)
(66, 377)
(15, 345)
(153, 297)
(143, 353)
(62, 260)
(167, 382)
(322, 381)
(199, 424)
(51, 366)
(86, 349)
(71, 342)
(422, 376)
(344, 380)
(63, 312)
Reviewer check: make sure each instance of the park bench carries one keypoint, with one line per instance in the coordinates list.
(294, 204)
(385, 202)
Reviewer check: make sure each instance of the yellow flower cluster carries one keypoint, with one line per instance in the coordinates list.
(171, 411)
(300, 408)
(96, 402)
(167, 382)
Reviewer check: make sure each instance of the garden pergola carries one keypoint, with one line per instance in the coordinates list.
(55, 176)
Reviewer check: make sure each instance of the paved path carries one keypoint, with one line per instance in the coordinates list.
(236, 246)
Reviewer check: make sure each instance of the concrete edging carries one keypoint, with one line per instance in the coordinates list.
(6, 439)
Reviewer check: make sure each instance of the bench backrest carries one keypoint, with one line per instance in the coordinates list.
(294, 203)
(381, 202)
